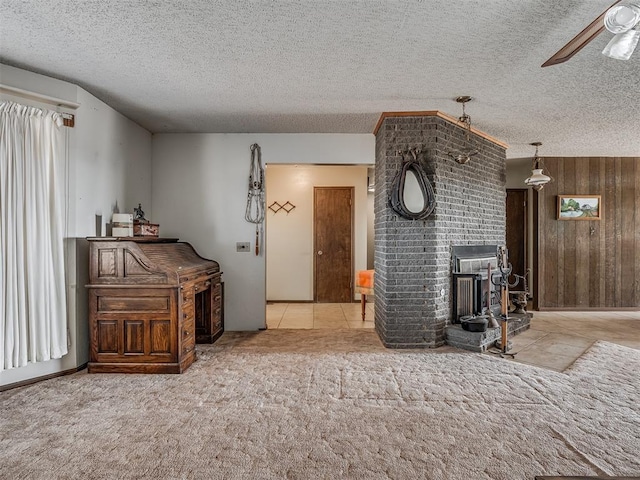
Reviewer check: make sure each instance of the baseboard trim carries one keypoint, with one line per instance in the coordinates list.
(269, 302)
(588, 309)
(30, 381)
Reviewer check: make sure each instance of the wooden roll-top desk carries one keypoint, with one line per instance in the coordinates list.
(150, 300)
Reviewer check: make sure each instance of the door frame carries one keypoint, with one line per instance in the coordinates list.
(527, 242)
(532, 252)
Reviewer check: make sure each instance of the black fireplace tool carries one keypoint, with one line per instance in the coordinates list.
(505, 269)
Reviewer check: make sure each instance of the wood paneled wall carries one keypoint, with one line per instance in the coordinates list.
(590, 264)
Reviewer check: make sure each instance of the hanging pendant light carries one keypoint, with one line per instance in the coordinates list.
(467, 151)
(537, 180)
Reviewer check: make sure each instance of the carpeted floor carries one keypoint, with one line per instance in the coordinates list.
(301, 405)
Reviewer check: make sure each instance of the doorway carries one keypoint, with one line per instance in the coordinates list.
(293, 300)
(517, 229)
(333, 244)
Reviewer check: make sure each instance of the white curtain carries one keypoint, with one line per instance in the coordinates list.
(33, 312)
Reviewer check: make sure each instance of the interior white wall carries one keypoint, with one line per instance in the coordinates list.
(199, 192)
(109, 161)
(112, 160)
(290, 251)
(518, 169)
(370, 230)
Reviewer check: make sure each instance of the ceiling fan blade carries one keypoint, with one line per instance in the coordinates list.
(578, 42)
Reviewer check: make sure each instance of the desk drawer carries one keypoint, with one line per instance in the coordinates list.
(188, 344)
(188, 311)
(188, 334)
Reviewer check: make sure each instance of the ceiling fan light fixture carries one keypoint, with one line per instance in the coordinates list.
(622, 45)
(622, 17)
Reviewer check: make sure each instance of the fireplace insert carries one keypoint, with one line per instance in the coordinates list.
(472, 290)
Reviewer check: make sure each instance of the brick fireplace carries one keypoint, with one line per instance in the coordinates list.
(413, 301)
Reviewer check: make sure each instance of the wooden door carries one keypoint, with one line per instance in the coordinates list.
(333, 244)
(517, 230)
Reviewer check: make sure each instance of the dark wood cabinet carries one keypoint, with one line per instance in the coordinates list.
(150, 301)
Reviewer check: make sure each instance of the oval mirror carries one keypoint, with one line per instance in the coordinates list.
(412, 195)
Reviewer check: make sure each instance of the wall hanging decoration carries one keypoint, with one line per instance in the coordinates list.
(397, 197)
(579, 207)
(275, 207)
(255, 197)
(288, 206)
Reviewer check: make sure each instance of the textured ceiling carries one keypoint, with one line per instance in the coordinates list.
(335, 65)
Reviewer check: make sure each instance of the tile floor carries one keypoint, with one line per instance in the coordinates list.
(318, 315)
(554, 341)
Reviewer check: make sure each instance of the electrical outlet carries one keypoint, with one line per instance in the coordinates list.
(243, 246)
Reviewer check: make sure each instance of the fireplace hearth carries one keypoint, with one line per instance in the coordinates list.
(483, 341)
(475, 276)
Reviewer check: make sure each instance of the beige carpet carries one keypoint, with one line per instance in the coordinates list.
(299, 404)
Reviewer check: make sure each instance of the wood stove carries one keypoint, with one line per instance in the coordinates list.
(472, 290)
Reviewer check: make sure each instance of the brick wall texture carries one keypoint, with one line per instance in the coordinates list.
(413, 257)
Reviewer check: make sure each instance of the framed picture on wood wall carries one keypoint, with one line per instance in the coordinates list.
(579, 207)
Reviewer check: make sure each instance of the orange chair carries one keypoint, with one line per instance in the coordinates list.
(364, 286)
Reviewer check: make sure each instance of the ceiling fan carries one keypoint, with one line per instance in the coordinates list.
(622, 19)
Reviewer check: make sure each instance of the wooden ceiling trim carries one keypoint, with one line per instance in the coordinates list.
(444, 116)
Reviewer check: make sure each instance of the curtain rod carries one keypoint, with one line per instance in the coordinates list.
(38, 96)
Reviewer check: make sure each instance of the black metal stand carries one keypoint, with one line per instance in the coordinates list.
(503, 282)
(504, 340)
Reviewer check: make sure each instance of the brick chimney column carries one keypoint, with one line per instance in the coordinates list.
(413, 257)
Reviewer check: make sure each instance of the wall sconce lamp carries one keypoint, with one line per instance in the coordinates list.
(537, 180)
